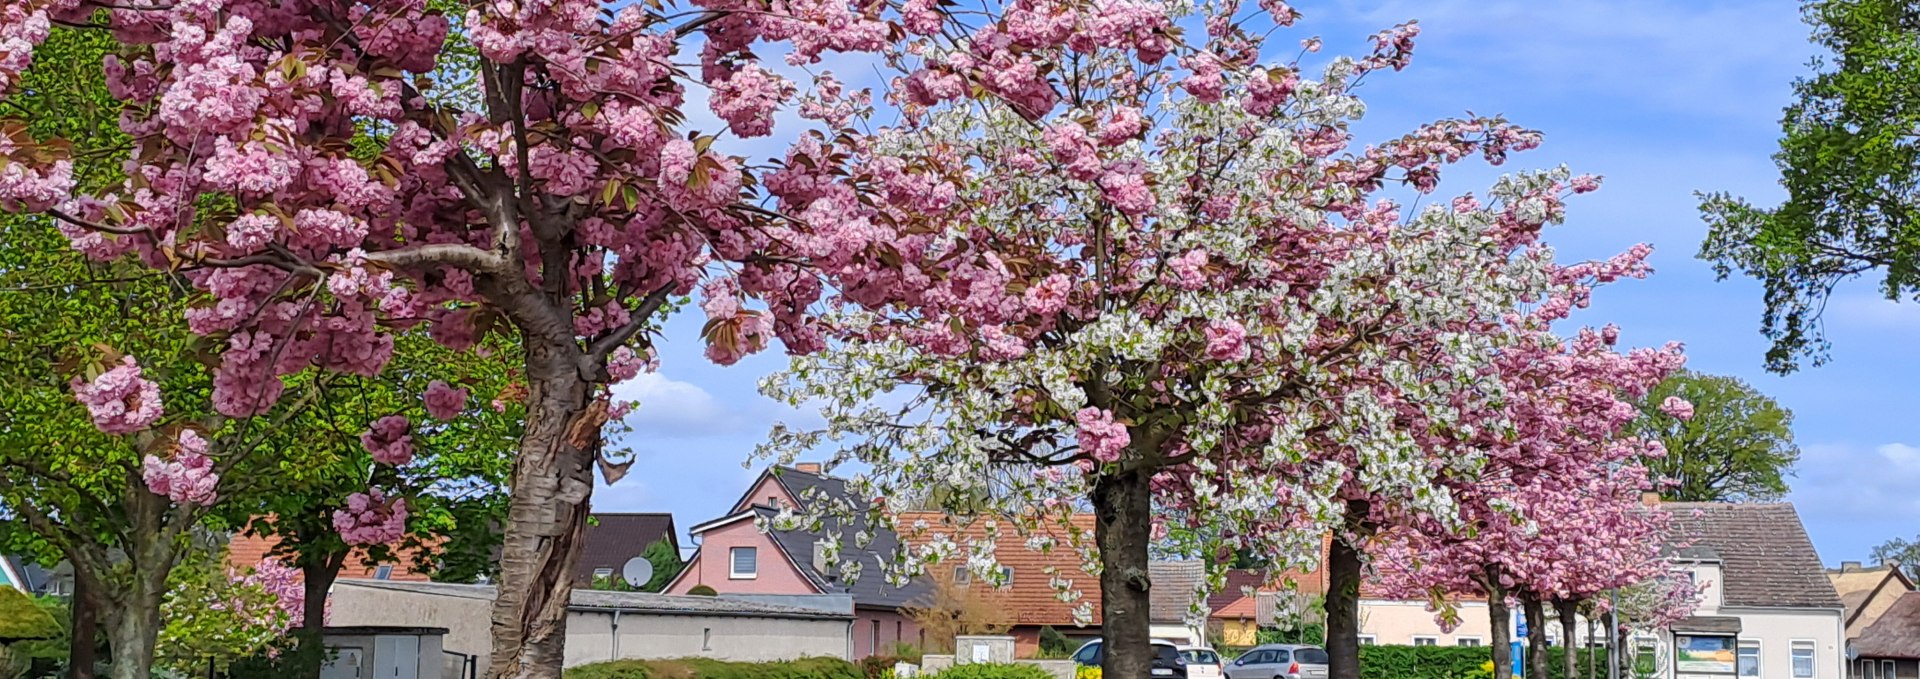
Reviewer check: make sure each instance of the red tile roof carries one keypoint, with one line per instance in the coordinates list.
(1031, 595)
(243, 551)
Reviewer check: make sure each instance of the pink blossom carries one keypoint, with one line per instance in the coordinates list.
(747, 100)
(444, 402)
(252, 231)
(1189, 269)
(188, 478)
(1125, 186)
(1585, 183)
(369, 519)
(120, 400)
(1099, 435)
(1205, 81)
(388, 439)
(624, 364)
(1677, 407)
(1049, 296)
(1226, 340)
(1125, 123)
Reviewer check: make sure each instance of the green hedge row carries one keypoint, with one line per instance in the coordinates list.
(1458, 662)
(992, 671)
(703, 668)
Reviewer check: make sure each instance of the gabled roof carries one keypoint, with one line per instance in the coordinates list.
(1766, 558)
(1172, 594)
(1859, 587)
(1896, 634)
(614, 538)
(1031, 596)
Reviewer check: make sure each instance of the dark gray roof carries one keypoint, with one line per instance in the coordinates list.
(871, 589)
(1896, 633)
(1172, 595)
(636, 602)
(1707, 624)
(1765, 556)
(616, 537)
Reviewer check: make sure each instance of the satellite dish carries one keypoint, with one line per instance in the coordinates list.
(637, 572)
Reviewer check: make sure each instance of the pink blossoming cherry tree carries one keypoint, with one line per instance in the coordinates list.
(1147, 271)
(332, 172)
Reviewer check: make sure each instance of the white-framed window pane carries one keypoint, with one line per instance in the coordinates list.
(1006, 574)
(746, 561)
(383, 572)
(1748, 661)
(1467, 641)
(1425, 641)
(1867, 671)
(962, 576)
(1802, 659)
(1366, 640)
(1886, 670)
(603, 572)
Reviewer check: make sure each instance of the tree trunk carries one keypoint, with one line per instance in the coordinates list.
(552, 482)
(1500, 617)
(1343, 596)
(317, 575)
(1536, 634)
(1123, 511)
(1569, 651)
(132, 625)
(84, 638)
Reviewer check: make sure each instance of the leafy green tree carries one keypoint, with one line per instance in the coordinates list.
(1848, 160)
(1902, 552)
(1737, 447)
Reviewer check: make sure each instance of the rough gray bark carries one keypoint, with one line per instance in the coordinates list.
(1537, 650)
(1498, 615)
(1123, 511)
(1343, 596)
(552, 481)
(1567, 609)
(84, 637)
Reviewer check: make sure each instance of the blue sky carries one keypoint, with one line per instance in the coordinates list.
(1663, 98)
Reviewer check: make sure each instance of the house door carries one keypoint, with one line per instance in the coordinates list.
(396, 657)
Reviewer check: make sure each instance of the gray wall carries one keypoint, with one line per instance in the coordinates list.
(591, 638)
(466, 618)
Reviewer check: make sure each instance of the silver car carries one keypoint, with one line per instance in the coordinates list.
(1280, 661)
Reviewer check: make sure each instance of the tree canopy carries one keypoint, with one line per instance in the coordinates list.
(1850, 163)
(1736, 447)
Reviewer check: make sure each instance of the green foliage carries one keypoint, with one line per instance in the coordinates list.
(703, 668)
(1850, 163)
(211, 618)
(1453, 662)
(1305, 633)
(992, 671)
(22, 618)
(1906, 553)
(666, 564)
(1053, 644)
(702, 590)
(1738, 447)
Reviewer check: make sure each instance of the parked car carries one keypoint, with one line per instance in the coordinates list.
(1167, 659)
(1280, 661)
(1202, 662)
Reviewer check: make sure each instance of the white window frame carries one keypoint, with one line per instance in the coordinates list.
(962, 577)
(1368, 640)
(1008, 572)
(1889, 670)
(1813, 657)
(1462, 641)
(733, 563)
(602, 572)
(1740, 645)
(383, 572)
(1431, 640)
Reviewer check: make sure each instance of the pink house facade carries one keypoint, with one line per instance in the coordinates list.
(735, 557)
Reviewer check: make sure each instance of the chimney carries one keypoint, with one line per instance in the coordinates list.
(807, 467)
(1650, 499)
(1850, 567)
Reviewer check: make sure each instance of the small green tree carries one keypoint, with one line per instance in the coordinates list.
(1737, 447)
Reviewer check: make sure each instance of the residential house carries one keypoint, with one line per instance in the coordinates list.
(1170, 602)
(1028, 593)
(613, 539)
(603, 625)
(1882, 620)
(1767, 610)
(24, 575)
(735, 557)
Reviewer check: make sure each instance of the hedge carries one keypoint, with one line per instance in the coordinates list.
(21, 618)
(703, 668)
(992, 671)
(1458, 662)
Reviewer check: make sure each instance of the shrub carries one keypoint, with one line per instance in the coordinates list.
(1454, 662)
(992, 671)
(1053, 644)
(705, 668)
(702, 590)
(873, 666)
(1086, 672)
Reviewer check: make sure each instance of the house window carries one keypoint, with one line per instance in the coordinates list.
(876, 637)
(1749, 661)
(383, 572)
(1886, 669)
(1426, 641)
(599, 573)
(1366, 640)
(1802, 659)
(746, 562)
(1466, 641)
(962, 576)
(1006, 575)
(898, 627)
(706, 639)
(773, 501)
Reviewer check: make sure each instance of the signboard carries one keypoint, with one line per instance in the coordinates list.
(1519, 660)
(1703, 654)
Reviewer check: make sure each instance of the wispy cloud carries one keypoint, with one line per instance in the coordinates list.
(672, 408)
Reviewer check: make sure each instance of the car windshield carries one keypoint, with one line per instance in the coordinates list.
(1167, 655)
(1201, 656)
(1311, 656)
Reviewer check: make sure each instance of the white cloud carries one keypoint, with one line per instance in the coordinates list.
(1841, 481)
(670, 407)
(1872, 312)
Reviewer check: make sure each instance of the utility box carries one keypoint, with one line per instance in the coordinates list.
(968, 650)
(383, 653)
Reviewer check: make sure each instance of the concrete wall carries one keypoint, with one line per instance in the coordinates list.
(466, 619)
(713, 565)
(876, 631)
(592, 637)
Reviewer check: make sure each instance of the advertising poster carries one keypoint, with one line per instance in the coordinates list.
(1704, 654)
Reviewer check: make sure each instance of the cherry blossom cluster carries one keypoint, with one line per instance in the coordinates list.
(443, 401)
(284, 583)
(187, 477)
(371, 519)
(389, 439)
(120, 400)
